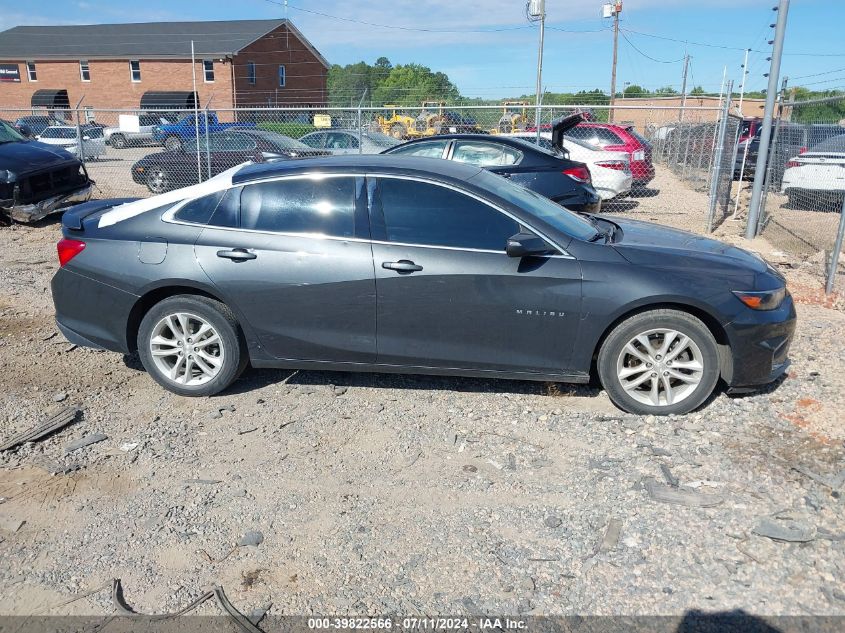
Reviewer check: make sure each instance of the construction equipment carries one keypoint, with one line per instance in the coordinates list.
(514, 117)
(430, 119)
(395, 122)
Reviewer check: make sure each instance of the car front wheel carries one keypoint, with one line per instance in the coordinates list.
(191, 345)
(659, 362)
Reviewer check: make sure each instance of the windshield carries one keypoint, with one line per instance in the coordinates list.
(8, 134)
(59, 132)
(551, 213)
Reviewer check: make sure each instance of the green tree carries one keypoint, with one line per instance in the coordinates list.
(635, 91)
(411, 84)
(665, 91)
(697, 91)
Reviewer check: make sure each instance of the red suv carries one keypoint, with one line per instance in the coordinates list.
(619, 138)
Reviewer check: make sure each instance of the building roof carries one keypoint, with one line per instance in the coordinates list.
(140, 40)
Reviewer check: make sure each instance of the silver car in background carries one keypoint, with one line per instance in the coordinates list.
(347, 141)
(135, 129)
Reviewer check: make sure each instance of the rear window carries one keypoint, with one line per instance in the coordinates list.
(600, 136)
(199, 211)
(324, 206)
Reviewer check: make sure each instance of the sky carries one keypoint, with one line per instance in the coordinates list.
(489, 49)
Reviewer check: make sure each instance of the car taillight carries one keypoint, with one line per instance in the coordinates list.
(793, 163)
(580, 173)
(613, 164)
(638, 155)
(68, 249)
(802, 150)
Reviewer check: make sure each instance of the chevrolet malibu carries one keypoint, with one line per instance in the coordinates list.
(414, 265)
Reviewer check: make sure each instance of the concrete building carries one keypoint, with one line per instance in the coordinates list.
(653, 112)
(145, 65)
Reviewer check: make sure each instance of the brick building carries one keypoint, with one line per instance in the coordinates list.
(139, 66)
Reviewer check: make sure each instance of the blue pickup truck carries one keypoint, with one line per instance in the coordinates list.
(174, 134)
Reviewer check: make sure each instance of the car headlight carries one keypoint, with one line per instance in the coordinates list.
(762, 299)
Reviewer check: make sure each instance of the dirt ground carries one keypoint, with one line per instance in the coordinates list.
(364, 493)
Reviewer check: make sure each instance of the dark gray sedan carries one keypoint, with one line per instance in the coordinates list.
(414, 265)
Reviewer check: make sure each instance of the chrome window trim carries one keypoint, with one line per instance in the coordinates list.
(168, 215)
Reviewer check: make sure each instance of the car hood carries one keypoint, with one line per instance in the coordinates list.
(562, 125)
(23, 157)
(651, 244)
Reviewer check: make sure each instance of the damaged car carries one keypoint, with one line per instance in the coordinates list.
(37, 179)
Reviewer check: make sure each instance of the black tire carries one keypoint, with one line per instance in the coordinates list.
(118, 141)
(234, 353)
(681, 322)
(158, 180)
(173, 143)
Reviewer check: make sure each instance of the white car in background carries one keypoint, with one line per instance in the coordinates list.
(347, 141)
(611, 171)
(816, 175)
(67, 137)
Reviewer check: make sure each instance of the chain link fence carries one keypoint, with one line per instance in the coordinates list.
(801, 211)
(141, 153)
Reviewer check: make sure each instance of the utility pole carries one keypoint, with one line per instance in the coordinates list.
(684, 88)
(613, 9)
(537, 12)
(768, 112)
(744, 75)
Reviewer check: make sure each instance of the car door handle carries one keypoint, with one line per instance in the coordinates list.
(237, 254)
(402, 266)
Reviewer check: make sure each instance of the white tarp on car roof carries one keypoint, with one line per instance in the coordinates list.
(122, 212)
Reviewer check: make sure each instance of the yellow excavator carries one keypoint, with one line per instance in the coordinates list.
(514, 117)
(395, 122)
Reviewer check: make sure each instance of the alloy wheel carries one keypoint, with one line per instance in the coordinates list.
(157, 181)
(186, 349)
(660, 367)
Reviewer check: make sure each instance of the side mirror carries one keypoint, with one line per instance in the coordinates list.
(526, 245)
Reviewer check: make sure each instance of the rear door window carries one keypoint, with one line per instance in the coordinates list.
(324, 206)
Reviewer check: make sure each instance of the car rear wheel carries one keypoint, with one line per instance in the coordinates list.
(191, 345)
(158, 180)
(118, 141)
(173, 143)
(659, 362)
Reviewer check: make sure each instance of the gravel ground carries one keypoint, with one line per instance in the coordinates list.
(364, 493)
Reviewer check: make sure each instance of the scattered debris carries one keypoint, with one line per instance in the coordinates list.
(339, 390)
(668, 476)
(667, 494)
(85, 441)
(834, 482)
(788, 531)
(553, 521)
(248, 429)
(206, 482)
(611, 536)
(55, 467)
(660, 452)
(53, 422)
(253, 538)
(60, 397)
(128, 447)
(469, 468)
(243, 623)
(10, 524)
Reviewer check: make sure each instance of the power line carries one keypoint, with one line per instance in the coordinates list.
(659, 61)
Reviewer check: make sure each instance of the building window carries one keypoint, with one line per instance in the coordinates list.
(30, 71)
(208, 70)
(281, 76)
(135, 70)
(84, 70)
(89, 114)
(250, 72)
